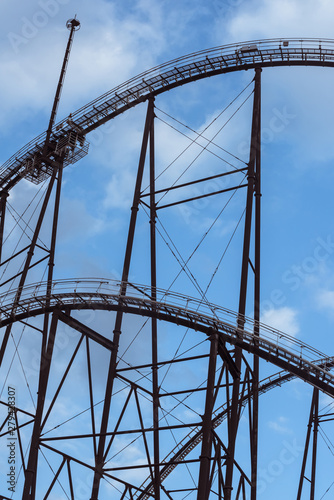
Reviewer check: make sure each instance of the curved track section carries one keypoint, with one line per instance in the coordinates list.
(68, 137)
(280, 349)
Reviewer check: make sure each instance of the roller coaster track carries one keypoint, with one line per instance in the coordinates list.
(195, 66)
(68, 144)
(105, 294)
(274, 346)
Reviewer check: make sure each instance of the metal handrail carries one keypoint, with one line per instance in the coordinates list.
(202, 64)
(170, 305)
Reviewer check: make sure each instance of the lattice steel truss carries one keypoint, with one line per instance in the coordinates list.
(129, 441)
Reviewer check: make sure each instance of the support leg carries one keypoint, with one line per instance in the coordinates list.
(100, 457)
(155, 382)
(257, 298)
(314, 404)
(205, 458)
(45, 364)
(3, 203)
(233, 417)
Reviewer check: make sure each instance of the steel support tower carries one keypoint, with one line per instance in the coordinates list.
(148, 428)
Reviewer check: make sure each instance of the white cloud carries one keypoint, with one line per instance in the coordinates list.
(280, 425)
(119, 190)
(279, 18)
(292, 88)
(109, 48)
(116, 41)
(325, 299)
(283, 319)
(321, 287)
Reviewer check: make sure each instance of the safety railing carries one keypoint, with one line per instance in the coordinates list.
(168, 302)
(268, 52)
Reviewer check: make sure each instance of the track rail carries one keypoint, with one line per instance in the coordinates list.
(192, 67)
(280, 349)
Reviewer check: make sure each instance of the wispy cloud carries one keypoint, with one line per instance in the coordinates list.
(325, 299)
(287, 18)
(280, 426)
(284, 319)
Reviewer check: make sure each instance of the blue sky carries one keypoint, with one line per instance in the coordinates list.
(118, 40)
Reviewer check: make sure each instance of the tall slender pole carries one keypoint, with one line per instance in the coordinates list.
(3, 203)
(307, 443)
(315, 441)
(45, 363)
(73, 25)
(46, 355)
(51, 262)
(155, 380)
(233, 421)
(29, 490)
(255, 379)
(205, 458)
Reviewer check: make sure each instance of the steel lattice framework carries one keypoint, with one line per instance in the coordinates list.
(101, 463)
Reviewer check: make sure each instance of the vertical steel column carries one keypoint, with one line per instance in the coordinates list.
(46, 354)
(250, 193)
(257, 297)
(233, 416)
(3, 203)
(51, 262)
(155, 382)
(205, 457)
(315, 441)
(100, 458)
(306, 447)
(45, 363)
